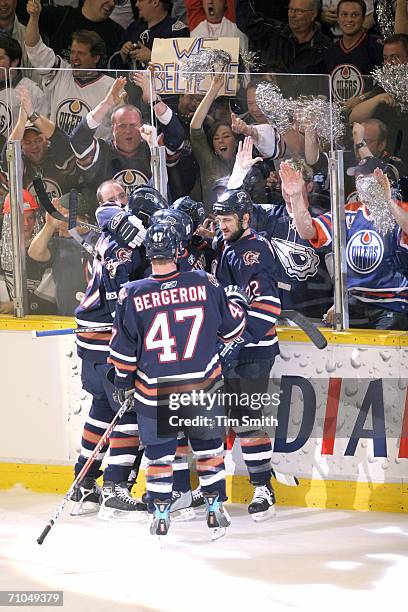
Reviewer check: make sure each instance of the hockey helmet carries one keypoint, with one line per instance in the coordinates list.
(233, 201)
(178, 219)
(161, 241)
(194, 209)
(144, 201)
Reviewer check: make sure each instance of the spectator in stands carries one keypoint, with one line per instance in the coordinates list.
(73, 93)
(328, 17)
(45, 151)
(126, 158)
(10, 60)
(354, 55)
(68, 261)
(135, 45)
(300, 45)
(58, 23)
(214, 19)
(40, 287)
(370, 140)
(383, 107)
(10, 25)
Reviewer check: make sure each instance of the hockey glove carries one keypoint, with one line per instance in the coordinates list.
(123, 395)
(129, 228)
(237, 295)
(229, 352)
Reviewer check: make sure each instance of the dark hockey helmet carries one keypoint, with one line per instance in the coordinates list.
(178, 219)
(194, 209)
(161, 241)
(144, 201)
(233, 201)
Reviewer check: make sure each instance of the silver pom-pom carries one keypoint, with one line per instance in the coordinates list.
(274, 106)
(385, 18)
(393, 78)
(207, 61)
(371, 191)
(317, 113)
(250, 61)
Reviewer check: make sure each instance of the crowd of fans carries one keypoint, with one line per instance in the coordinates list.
(76, 91)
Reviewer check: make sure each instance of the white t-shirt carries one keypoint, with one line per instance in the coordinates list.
(225, 28)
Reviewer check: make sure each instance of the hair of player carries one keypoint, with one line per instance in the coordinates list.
(93, 40)
(11, 47)
(360, 3)
(397, 38)
(102, 185)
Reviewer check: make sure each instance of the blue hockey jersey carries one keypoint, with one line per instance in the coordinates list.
(249, 263)
(165, 336)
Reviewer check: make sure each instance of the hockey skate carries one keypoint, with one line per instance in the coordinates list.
(161, 518)
(118, 505)
(198, 498)
(180, 508)
(218, 518)
(262, 506)
(85, 497)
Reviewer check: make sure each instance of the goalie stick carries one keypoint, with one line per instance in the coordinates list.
(307, 326)
(124, 407)
(46, 203)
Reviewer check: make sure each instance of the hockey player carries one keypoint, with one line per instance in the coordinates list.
(247, 261)
(116, 265)
(376, 261)
(164, 344)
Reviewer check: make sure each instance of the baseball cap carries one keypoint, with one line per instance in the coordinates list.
(31, 126)
(29, 202)
(83, 206)
(367, 166)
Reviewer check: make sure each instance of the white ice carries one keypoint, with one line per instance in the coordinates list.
(303, 559)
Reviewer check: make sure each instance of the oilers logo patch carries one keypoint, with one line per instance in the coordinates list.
(365, 251)
(347, 82)
(5, 117)
(124, 254)
(251, 258)
(70, 113)
(130, 179)
(298, 260)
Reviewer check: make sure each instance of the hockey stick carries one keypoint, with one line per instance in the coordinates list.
(71, 330)
(307, 326)
(126, 404)
(46, 203)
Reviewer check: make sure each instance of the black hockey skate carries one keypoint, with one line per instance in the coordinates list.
(86, 497)
(180, 508)
(118, 505)
(198, 498)
(218, 518)
(262, 506)
(161, 518)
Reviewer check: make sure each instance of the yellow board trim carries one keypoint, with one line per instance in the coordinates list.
(286, 334)
(340, 494)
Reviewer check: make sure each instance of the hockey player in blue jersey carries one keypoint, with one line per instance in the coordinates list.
(115, 265)
(247, 261)
(164, 344)
(376, 261)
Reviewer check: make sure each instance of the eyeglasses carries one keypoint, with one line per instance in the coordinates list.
(297, 11)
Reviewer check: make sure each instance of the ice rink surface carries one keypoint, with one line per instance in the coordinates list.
(303, 559)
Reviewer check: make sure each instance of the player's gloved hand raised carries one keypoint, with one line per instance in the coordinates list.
(229, 352)
(236, 294)
(129, 228)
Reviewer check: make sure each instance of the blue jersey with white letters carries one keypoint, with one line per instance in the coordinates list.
(167, 327)
(249, 263)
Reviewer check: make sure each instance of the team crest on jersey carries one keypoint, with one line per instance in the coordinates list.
(130, 179)
(347, 82)
(213, 280)
(365, 251)
(5, 117)
(168, 285)
(298, 260)
(124, 255)
(69, 114)
(251, 258)
(51, 187)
